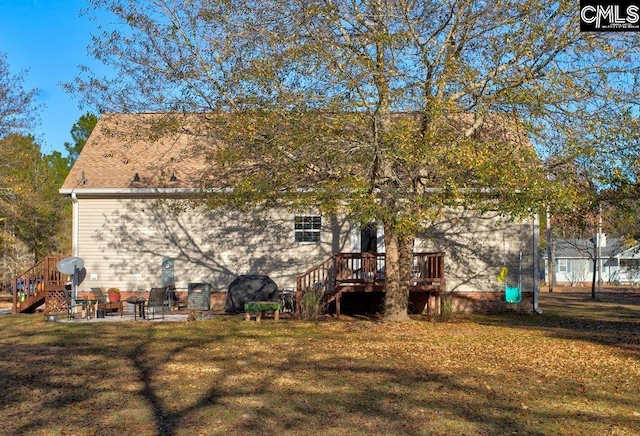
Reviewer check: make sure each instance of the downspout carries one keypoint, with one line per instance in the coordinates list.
(536, 264)
(76, 225)
(75, 237)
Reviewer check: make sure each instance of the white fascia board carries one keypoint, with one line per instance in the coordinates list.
(126, 192)
(629, 253)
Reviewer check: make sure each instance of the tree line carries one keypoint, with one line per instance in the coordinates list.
(35, 220)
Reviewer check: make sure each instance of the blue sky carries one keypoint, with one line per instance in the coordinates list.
(48, 38)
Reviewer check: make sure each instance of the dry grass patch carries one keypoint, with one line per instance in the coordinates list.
(572, 370)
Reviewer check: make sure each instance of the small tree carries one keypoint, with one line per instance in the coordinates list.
(579, 272)
(80, 133)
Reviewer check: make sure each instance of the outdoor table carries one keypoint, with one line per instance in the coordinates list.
(138, 303)
(86, 304)
(260, 307)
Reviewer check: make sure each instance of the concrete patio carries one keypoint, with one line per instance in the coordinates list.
(127, 317)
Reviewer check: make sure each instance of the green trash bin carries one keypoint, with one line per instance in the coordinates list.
(199, 296)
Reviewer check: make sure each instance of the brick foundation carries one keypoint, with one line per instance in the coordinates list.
(487, 302)
(217, 301)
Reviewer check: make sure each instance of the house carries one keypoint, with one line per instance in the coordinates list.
(628, 266)
(575, 261)
(137, 225)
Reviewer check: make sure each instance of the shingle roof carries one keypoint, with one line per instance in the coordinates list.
(583, 248)
(122, 145)
(158, 146)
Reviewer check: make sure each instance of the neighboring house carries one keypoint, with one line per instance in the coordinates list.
(628, 263)
(135, 227)
(575, 261)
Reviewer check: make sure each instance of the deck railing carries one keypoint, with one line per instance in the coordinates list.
(428, 270)
(364, 272)
(31, 287)
(354, 268)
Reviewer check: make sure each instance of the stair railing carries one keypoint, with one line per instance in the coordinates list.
(31, 286)
(353, 268)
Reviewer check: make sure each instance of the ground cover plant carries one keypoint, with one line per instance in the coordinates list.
(575, 369)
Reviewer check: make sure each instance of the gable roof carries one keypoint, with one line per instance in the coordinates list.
(171, 152)
(630, 253)
(583, 248)
(123, 145)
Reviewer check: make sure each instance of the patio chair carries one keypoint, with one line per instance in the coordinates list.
(114, 302)
(67, 296)
(102, 300)
(85, 304)
(157, 300)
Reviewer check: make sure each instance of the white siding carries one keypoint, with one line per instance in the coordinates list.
(123, 243)
(477, 247)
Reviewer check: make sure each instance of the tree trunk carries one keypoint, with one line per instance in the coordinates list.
(397, 272)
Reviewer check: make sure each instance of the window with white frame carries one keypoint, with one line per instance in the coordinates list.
(307, 228)
(562, 266)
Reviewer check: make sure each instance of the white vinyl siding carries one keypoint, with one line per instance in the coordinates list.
(124, 241)
(477, 246)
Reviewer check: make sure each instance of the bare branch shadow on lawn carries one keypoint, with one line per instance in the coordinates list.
(388, 405)
(148, 365)
(293, 393)
(71, 377)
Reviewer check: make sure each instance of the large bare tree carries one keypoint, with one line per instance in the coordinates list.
(389, 110)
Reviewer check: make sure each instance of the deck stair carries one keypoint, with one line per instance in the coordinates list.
(365, 272)
(38, 285)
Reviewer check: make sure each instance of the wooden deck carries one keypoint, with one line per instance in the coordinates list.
(40, 284)
(365, 272)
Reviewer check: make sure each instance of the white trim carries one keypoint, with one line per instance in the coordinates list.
(75, 227)
(139, 191)
(381, 248)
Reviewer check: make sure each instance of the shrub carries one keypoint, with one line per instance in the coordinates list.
(446, 309)
(311, 304)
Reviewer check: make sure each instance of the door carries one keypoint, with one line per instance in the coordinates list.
(369, 238)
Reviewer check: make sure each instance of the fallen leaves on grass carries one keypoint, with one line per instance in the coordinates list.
(513, 374)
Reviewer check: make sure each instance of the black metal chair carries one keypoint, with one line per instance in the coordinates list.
(67, 296)
(85, 304)
(157, 299)
(101, 305)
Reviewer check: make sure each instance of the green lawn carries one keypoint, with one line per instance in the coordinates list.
(575, 369)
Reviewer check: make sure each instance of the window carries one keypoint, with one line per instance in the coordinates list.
(307, 228)
(562, 266)
(630, 263)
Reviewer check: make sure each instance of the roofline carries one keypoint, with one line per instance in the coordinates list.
(104, 192)
(633, 250)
